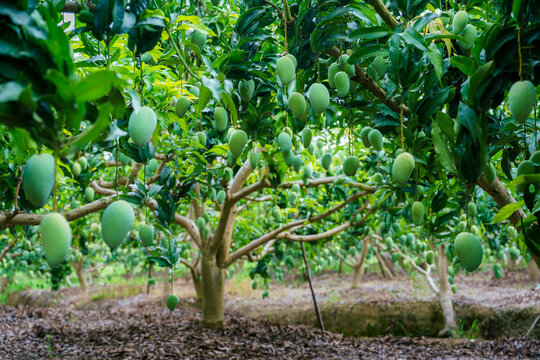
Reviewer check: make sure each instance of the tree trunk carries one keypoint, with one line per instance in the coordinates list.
(213, 278)
(166, 287)
(445, 294)
(513, 264)
(79, 270)
(196, 276)
(357, 277)
(533, 271)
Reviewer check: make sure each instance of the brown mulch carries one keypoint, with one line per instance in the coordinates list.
(147, 331)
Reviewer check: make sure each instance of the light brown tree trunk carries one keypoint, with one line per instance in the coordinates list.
(166, 287)
(513, 264)
(213, 279)
(79, 270)
(445, 294)
(533, 271)
(357, 277)
(196, 276)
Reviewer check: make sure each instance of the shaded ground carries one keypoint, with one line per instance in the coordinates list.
(144, 330)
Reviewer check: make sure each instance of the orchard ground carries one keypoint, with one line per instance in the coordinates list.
(121, 321)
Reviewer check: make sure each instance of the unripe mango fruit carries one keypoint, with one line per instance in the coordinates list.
(198, 38)
(237, 142)
(379, 63)
(146, 233)
(276, 213)
(342, 83)
(246, 89)
(293, 59)
(38, 179)
(332, 71)
(350, 165)
(319, 97)
(76, 169)
(521, 99)
(83, 161)
(295, 188)
(430, 256)
(468, 250)
(402, 168)
(56, 235)
(284, 141)
(221, 195)
(326, 161)
(378, 178)
(308, 171)
(471, 209)
(298, 104)
(470, 35)
(201, 135)
(417, 212)
(345, 66)
(182, 106)
(253, 160)
(307, 135)
(364, 135)
(297, 163)
(460, 21)
(89, 193)
(288, 157)
(116, 222)
(490, 174)
(141, 125)
(220, 117)
(172, 301)
(376, 139)
(285, 69)
(525, 167)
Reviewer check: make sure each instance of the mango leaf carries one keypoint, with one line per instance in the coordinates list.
(525, 179)
(204, 97)
(413, 37)
(446, 124)
(442, 150)
(476, 79)
(463, 63)
(368, 51)
(369, 33)
(506, 211)
(97, 85)
(436, 59)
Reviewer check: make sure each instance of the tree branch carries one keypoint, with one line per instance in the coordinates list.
(383, 12)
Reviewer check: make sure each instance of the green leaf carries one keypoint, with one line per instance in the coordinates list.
(442, 150)
(369, 33)
(10, 91)
(90, 134)
(506, 211)
(463, 63)
(476, 79)
(413, 37)
(525, 179)
(204, 97)
(97, 85)
(368, 51)
(446, 124)
(436, 59)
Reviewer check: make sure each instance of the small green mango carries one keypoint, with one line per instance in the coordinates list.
(521, 100)
(237, 142)
(490, 174)
(460, 21)
(342, 83)
(146, 234)
(402, 168)
(89, 194)
(172, 302)
(468, 250)
(56, 235)
(298, 104)
(253, 160)
(332, 71)
(198, 38)
(141, 125)
(307, 135)
(326, 161)
(350, 165)
(417, 212)
(319, 97)
(284, 141)
(246, 88)
(38, 179)
(182, 106)
(376, 139)
(285, 69)
(116, 222)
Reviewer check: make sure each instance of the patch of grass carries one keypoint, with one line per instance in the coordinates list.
(22, 281)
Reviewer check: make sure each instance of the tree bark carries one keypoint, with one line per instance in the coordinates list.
(357, 277)
(445, 294)
(213, 278)
(79, 270)
(196, 276)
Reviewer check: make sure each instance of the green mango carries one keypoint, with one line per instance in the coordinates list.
(326, 161)
(342, 83)
(295, 188)
(116, 222)
(332, 71)
(307, 135)
(461, 19)
(396, 257)
(201, 223)
(350, 165)
(83, 161)
(470, 34)
(220, 118)
(284, 141)
(253, 160)
(298, 104)
(182, 106)
(56, 235)
(525, 167)
(430, 257)
(417, 212)
(319, 97)
(288, 157)
(297, 163)
(468, 250)
(402, 168)
(198, 38)
(276, 213)
(364, 135)
(201, 135)
(141, 125)
(308, 171)
(345, 66)
(246, 88)
(172, 302)
(237, 142)
(490, 174)
(293, 59)
(521, 100)
(38, 179)
(292, 198)
(146, 234)
(286, 70)
(379, 63)
(147, 58)
(221, 195)
(76, 169)
(376, 139)
(471, 209)
(89, 194)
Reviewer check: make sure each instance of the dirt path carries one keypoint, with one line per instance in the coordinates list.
(146, 331)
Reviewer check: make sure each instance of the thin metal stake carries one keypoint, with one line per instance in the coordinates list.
(319, 317)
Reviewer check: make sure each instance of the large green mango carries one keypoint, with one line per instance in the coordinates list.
(116, 223)
(141, 125)
(38, 179)
(237, 142)
(285, 69)
(56, 235)
(402, 168)
(468, 250)
(319, 97)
